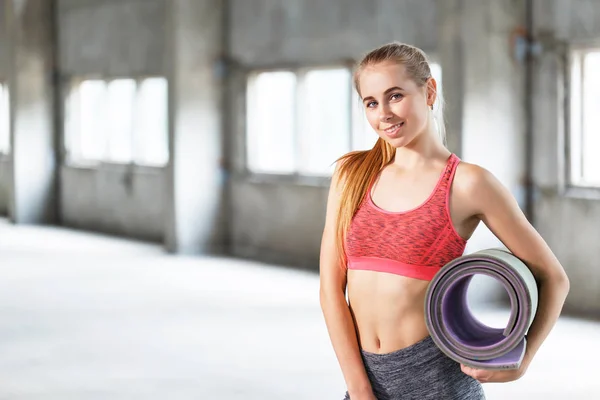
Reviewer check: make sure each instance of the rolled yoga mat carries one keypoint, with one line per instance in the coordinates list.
(456, 331)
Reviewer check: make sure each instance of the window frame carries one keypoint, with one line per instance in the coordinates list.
(567, 187)
(294, 178)
(70, 83)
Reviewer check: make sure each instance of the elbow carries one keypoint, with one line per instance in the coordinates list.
(559, 281)
(565, 284)
(562, 280)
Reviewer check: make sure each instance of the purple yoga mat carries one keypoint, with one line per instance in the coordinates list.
(458, 333)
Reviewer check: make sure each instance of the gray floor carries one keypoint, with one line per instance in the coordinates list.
(88, 317)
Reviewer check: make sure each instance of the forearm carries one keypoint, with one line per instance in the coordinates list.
(551, 294)
(345, 343)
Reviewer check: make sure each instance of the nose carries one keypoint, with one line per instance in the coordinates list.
(385, 113)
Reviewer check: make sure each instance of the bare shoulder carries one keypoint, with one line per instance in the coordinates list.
(476, 187)
(487, 198)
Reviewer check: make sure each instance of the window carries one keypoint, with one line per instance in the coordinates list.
(584, 130)
(118, 121)
(4, 120)
(270, 122)
(300, 122)
(324, 120)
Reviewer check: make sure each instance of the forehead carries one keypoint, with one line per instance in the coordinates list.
(374, 80)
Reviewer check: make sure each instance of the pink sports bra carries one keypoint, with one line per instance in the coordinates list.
(414, 243)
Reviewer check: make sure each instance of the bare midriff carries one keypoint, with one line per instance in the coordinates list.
(388, 310)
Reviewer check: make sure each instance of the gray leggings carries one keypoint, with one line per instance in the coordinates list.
(419, 372)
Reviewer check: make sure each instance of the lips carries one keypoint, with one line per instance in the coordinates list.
(394, 130)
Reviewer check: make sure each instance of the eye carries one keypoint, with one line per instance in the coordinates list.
(371, 104)
(396, 96)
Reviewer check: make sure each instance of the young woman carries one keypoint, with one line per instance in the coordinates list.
(395, 215)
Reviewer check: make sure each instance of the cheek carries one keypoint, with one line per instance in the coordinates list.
(373, 118)
(405, 109)
(414, 112)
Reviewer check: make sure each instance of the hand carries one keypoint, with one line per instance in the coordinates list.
(486, 376)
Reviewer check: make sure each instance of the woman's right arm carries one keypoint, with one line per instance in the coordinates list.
(335, 308)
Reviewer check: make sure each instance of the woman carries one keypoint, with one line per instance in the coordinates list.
(395, 215)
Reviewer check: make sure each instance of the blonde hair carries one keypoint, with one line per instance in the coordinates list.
(357, 170)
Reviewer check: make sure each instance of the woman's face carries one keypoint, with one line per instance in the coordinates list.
(396, 108)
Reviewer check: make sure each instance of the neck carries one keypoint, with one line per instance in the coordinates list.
(423, 147)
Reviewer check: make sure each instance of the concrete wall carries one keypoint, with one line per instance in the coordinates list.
(113, 38)
(4, 70)
(277, 221)
(266, 32)
(116, 200)
(568, 223)
(5, 173)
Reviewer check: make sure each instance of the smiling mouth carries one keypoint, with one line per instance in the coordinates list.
(393, 128)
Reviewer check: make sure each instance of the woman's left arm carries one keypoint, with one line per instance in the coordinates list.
(498, 209)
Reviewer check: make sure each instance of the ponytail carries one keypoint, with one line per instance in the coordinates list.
(357, 171)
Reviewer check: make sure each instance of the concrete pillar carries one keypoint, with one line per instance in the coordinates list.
(195, 221)
(451, 58)
(32, 197)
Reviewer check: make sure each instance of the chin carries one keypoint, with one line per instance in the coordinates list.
(396, 142)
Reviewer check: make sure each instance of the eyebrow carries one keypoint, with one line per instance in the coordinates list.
(386, 92)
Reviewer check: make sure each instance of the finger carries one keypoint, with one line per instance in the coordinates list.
(468, 370)
(480, 375)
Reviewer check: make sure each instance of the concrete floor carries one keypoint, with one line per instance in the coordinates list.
(88, 317)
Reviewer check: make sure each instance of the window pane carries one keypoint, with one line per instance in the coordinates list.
(92, 120)
(575, 131)
(324, 120)
(151, 138)
(121, 95)
(4, 120)
(270, 122)
(591, 119)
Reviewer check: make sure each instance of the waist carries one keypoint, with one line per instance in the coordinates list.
(377, 264)
(388, 310)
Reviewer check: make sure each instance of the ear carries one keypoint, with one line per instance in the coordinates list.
(431, 92)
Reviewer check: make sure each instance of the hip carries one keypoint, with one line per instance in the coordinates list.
(419, 371)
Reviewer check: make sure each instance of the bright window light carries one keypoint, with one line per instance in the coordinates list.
(324, 120)
(271, 123)
(118, 121)
(93, 124)
(584, 131)
(120, 102)
(151, 125)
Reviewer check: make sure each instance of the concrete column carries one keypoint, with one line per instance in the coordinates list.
(32, 197)
(451, 59)
(195, 221)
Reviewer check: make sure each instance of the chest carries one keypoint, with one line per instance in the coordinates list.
(400, 193)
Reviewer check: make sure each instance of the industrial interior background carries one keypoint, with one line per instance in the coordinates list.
(159, 237)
